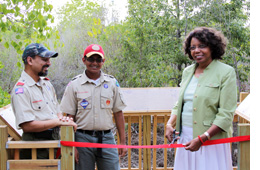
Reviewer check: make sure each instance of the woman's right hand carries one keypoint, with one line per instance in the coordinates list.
(169, 133)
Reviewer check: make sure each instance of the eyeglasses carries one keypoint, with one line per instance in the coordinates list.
(92, 60)
(201, 47)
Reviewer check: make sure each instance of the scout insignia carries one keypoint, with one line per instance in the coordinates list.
(105, 86)
(108, 102)
(20, 84)
(117, 84)
(18, 90)
(84, 103)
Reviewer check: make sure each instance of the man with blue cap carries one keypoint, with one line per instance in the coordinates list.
(34, 101)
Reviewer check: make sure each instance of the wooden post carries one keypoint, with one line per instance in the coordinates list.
(3, 151)
(147, 141)
(243, 96)
(129, 142)
(67, 153)
(244, 148)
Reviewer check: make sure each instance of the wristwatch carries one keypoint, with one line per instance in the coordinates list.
(207, 134)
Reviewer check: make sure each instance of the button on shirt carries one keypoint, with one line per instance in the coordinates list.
(93, 104)
(32, 100)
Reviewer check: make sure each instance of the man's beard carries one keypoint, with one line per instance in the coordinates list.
(43, 73)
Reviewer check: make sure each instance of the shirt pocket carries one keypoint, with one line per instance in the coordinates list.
(38, 104)
(207, 123)
(211, 90)
(84, 101)
(106, 97)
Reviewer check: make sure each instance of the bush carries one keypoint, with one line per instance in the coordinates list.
(5, 98)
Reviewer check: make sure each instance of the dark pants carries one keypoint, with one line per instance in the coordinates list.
(89, 156)
(43, 153)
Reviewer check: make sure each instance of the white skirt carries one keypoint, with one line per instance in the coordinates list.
(213, 157)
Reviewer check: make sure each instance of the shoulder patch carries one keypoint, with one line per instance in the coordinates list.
(45, 78)
(19, 90)
(20, 84)
(117, 84)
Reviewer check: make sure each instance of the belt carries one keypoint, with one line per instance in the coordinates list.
(94, 132)
(98, 134)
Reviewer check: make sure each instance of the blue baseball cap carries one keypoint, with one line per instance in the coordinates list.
(34, 49)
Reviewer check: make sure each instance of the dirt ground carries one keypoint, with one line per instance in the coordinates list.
(160, 152)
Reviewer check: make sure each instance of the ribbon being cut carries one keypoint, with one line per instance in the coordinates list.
(98, 145)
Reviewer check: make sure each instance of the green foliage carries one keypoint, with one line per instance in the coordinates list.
(4, 98)
(27, 19)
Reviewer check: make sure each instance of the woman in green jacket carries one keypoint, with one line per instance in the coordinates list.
(206, 104)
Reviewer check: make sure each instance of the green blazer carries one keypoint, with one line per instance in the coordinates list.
(214, 101)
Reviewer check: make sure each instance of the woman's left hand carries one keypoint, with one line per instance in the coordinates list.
(193, 145)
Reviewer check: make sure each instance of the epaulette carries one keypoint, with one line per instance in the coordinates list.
(109, 76)
(20, 83)
(76, 77)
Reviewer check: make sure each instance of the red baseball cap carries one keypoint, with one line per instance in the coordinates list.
(94, 49)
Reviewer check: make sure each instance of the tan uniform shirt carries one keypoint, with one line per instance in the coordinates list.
(91, 104)
(33, 101)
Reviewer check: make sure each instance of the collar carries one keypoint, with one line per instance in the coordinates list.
(210, 66)
(28, 79)
(84, 78)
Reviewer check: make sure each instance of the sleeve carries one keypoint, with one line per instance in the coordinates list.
(227, 101)
(119, 102)
(69, 100)
(21, 105)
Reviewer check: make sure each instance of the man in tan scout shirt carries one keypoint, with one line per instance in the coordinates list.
(92, 98)
(34, 101)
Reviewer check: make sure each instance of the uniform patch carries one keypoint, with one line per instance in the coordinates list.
(20, 84)
(108, 102)
(117, 84)
(18, 90)
(84, 103)
(105, 86)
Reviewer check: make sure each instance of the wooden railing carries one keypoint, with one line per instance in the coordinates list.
(9, 153)
(143, 121)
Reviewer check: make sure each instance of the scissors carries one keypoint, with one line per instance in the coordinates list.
(175, 136)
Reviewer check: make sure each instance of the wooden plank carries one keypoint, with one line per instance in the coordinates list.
(16, 154)
(11, 131)
(67, 153)
(242, 96)
(129, 142)
(147, 141)
(3, 151)
(140, 142)
(34, 164)
(51, 153)
(165, 142)
(33, 144)
(154, 139)
(244, 148)
(34, 154)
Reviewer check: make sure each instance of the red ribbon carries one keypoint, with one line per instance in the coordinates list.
(98, 145)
